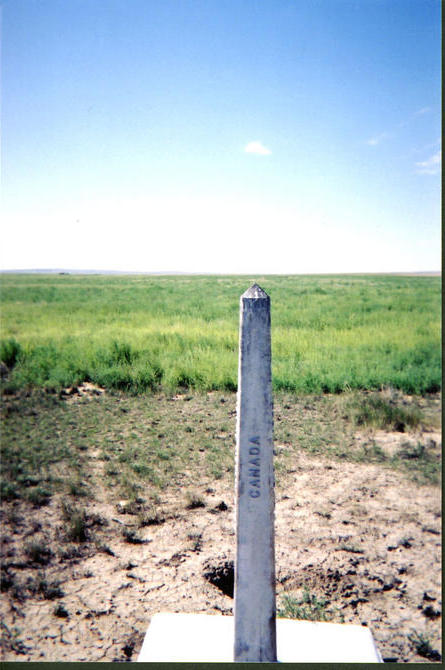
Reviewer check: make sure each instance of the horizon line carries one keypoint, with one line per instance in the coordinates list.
(74, 271)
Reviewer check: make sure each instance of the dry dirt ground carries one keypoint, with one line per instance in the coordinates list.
(362, 538)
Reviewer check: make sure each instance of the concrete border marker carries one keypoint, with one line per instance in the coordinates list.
(253, 633)
(255, 626)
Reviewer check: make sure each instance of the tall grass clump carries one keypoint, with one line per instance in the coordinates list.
(10, 351)
(308, 607)
(140, 333)
(381, 413)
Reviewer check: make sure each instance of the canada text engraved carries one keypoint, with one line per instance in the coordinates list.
(254, 467)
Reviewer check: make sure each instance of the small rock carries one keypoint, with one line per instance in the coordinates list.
(431, 613)
(427, 596)
(130, 565)
(426, 529)
(61, 611)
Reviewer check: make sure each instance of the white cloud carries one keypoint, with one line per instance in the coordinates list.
(431, 165)
(258, 148)
(373, 141)
(377, 139)
(421, 112)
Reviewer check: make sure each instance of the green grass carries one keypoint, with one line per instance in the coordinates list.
(139, 446)
(422, 646)
(10, 638)
(40, 448)
(140, 333)
(142, 444)
(379, 412)
(308, 607)
(38, 552)
(423, 465)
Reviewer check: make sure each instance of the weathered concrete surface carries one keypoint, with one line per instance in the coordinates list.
(203, 638)
(255, 625)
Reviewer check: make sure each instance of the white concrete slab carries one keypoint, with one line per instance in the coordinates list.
(201, 638)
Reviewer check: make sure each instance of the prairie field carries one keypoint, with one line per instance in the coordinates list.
(118, 433)
(139, 333)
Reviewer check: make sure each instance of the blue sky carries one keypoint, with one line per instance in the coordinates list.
(244, 136)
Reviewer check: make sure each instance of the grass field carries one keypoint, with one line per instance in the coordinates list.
(138, 333)
(148, 443)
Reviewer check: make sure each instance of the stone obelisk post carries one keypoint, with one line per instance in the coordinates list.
(255, 625)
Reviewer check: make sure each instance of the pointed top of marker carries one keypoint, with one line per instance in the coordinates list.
(255, 292)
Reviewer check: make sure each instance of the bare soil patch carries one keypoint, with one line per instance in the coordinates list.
(361, 536)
